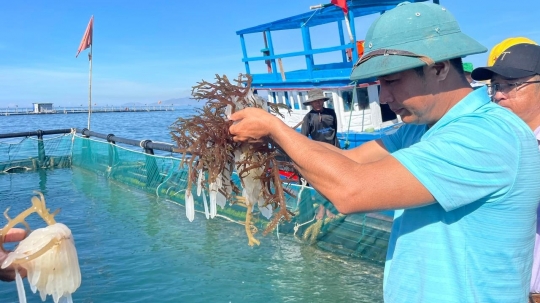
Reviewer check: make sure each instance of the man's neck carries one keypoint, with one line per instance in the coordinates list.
(448, 98)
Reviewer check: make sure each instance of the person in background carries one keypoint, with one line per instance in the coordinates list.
(467, 70)
(515, 85)
(320, 124)
(8, 274)
(463, 170)
(505, 44)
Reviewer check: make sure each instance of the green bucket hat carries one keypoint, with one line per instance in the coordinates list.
(412, 35)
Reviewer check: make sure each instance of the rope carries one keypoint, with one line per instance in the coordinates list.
(47, 139)
(15, 143)
(311, 17)
(297, 226)
(15, 169)
(73, 134)
(347, 142)
(164, 181)
(297, 125)
(313, 231)
(363, 116)
(304, 184)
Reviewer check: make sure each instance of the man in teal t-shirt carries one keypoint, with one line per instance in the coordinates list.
(462, 170)
(476, 240)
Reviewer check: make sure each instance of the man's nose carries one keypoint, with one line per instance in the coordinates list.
(385, 97)
(497, 97)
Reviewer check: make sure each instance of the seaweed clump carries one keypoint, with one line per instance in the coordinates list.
(212, 156)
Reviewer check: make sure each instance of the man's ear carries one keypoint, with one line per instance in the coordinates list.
(440, 69)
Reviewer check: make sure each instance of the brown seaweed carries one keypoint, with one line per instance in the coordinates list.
(207, 148)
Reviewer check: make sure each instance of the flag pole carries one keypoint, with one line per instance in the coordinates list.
(90, 87)
(86, 42)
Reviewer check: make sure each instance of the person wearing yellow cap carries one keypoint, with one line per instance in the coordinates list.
(462, 171)
(505, 44)
(515, 85)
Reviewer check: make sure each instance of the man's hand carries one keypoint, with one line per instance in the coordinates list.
(8, 274)
(252, 124)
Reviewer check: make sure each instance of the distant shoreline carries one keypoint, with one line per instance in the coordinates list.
(85, 111)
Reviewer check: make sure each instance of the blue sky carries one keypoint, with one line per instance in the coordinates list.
(146, 51)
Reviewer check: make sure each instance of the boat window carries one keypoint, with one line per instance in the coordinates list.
(287, 100)
(274, 97)
(362, 97)
(296, 101)
(302, 97)
(346, 96)
(386, 113)
(330, 102)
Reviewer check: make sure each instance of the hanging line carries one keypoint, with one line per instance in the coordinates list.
(304, 24)
(347, 142)
(316, 8)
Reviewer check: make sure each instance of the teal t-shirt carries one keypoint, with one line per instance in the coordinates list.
(475, 244)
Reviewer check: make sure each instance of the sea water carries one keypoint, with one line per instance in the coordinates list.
(136, 247)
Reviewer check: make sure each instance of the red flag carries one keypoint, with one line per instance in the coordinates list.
(342, 4)
(87, 38)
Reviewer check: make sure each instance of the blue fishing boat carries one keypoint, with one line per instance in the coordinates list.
(360, 115)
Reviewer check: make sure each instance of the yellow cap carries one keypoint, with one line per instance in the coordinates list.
(497, 50)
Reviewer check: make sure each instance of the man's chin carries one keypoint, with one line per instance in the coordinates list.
(408, 119)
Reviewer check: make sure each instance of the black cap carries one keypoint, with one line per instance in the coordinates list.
(518, 61)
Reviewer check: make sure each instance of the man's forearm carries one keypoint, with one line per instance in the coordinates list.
(313, 159)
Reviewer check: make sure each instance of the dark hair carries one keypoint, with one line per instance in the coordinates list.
(457, 63)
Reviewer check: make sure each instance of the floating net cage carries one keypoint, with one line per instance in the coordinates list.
(155, 168)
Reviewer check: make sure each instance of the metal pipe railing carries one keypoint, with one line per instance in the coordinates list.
(147, 145)
(38, 133)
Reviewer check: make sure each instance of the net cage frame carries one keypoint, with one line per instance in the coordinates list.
(154, 167)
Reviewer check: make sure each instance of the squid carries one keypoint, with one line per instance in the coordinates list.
(48, 254)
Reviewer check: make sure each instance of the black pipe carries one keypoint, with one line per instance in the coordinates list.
(108, 137)
(36, 133)
(161, 146)
(147, 145)
(147, 149)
